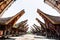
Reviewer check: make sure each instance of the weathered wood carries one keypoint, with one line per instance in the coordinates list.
(38, 27)
(54, 4)
(15, 18)
(8, 23)
(4, 5)
(33, 30)
(20, 27)
(52, 23)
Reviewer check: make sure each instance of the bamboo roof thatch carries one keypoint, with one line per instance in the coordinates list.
(41, 23)
(35, 29)
(4, 5)
(52, 19)
(5, 21)
(22, 26)
(20, 23)
(54, 3)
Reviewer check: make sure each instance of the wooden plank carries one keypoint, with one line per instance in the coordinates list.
(4, 5)
(54, 4)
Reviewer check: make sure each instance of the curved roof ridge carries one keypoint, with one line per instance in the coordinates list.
(53, 19)
(4, 5)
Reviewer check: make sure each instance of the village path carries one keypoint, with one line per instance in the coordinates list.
(31, 37)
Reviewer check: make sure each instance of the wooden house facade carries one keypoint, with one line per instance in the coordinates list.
(36, 29)
(43, 27)
(52, 23)
(7, 23)
(20, 28)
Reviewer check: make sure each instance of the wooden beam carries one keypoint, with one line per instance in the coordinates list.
(4, 5)
(41, 23)
(16, 17)
(54, 4)
(44, 16)
(35, 28)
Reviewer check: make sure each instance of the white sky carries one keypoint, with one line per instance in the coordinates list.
(30, 7)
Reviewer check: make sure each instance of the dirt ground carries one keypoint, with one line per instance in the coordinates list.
(31, 37)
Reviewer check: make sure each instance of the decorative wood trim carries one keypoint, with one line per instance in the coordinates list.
(52, 5)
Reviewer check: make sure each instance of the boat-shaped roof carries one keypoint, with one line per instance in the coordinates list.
(52, 19)
(10, 19)
(54, 4)
(4, 5)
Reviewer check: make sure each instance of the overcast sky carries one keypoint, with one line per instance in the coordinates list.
(30, 7)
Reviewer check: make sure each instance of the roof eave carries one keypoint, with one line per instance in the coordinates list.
(21, 13)
(6, 7)
(53, 6)
(41, 13)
